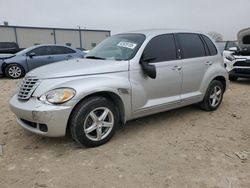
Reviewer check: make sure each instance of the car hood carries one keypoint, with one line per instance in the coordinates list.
(6, 56)
(78, 67)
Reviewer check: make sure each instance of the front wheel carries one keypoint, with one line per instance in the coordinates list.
(14, 71)
(213, 96)
(94, 121)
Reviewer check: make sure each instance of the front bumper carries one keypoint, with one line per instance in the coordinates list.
(40, 118)
(242, 72)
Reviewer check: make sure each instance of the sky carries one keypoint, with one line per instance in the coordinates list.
(226, 17)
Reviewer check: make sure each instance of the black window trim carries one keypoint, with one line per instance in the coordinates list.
(207, 51)
(210, 53)
(176, 47)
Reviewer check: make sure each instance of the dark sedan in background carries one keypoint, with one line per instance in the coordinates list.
(17, 65)
(9, 48)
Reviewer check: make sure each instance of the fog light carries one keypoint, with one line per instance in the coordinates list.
(43, 127)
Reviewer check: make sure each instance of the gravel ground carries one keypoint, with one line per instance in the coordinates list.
(180, 148)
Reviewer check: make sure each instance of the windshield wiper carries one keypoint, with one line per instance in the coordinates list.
(95, 57)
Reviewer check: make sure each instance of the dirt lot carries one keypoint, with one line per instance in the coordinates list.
(181, 148)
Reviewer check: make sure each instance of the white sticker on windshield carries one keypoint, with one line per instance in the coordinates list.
(129, 45)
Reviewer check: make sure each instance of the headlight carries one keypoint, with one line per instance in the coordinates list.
(230, 57)
(58, 96)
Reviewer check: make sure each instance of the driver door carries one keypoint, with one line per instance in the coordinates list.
(154, 95)
(39, 56)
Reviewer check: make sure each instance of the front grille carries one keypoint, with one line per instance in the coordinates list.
(242, 63)
(27, 87)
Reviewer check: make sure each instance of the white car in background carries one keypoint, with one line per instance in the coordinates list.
(237, 57)
(237, 65)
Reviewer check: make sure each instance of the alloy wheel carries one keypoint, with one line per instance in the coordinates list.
(15, 71)
(215, 96)
(98, 124)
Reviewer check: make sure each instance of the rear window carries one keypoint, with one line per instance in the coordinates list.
(211, 47)
(191, 45)
(62, 50)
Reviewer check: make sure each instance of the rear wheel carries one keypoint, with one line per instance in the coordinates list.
(14, 71)
(94, 121)
(213, 96)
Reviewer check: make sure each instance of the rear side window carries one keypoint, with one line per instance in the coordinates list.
(191, 45)
(62, 50)
(160, 48)
(211, 47)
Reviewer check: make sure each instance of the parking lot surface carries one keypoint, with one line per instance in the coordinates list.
(180, 148)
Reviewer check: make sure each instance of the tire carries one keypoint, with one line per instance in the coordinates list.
(233, 78)
(14, 71)
(213, 96)
(93, 122)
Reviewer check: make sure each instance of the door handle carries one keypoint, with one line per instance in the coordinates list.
(50, 57)
(69, 56)
(208, 63)
(176, 67)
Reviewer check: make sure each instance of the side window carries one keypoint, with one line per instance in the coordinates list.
(160, 48)
(210, 45)
(62, 50)
(191, 45)
(40, 51)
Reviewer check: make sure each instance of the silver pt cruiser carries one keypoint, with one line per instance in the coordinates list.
(126, 76)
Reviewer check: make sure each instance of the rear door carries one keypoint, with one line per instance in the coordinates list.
(61, 53)
(41, 56)
(195, 63)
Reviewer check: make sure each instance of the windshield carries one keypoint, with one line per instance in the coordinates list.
(118, 47)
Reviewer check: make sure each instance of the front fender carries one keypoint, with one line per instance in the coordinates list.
(17, 60)
(116, 83)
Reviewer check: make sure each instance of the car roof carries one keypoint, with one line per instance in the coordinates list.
(150, 32)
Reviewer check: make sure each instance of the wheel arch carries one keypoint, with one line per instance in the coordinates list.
(113, 97)
(222, 80)
(5, 65)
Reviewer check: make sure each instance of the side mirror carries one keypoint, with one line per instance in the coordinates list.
(31, 55)
(148, 69)
(233, 49)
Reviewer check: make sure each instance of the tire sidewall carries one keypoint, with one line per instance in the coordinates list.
(80, 114)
